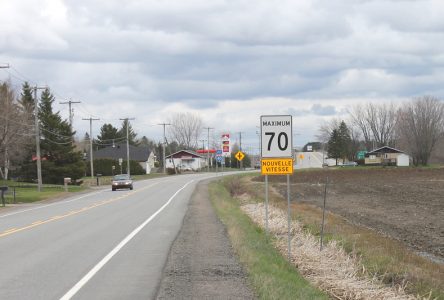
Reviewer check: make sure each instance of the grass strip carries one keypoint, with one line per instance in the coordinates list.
(271, 276)
(29, 193)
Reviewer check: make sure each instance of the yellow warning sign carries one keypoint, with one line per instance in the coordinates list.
(239, 156)
(277, 166)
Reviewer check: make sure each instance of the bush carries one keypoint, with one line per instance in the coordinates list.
(234, 186)
(170, 171)
(360, 162)
(104, 166)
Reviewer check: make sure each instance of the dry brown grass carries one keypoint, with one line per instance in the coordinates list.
(332, 270)
(382, 258)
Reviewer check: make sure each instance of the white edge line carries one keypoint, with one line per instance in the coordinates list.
(58, 203)
(113, 252)
(52, 204)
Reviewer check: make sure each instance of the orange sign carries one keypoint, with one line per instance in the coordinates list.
(277, 166)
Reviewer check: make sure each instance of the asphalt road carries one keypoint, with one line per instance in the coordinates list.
(306, 160)
(100, 245)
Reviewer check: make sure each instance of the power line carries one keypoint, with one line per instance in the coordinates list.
(70, 110)
(15, 122)
(23, 76)
(57, 143)
(57, 134)
(116, 139)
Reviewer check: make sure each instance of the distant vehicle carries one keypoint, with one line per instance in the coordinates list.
(122, 181)
(350, 164)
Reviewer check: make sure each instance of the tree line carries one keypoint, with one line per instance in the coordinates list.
(416, 127)
(61, 154)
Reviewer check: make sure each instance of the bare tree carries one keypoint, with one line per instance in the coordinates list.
(185, 129)
(326, 128)
(377, 123)
(421, 123)
(13, 128)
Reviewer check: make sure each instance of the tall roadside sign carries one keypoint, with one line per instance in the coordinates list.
(226, 144)
(276, 145)
(277, 156)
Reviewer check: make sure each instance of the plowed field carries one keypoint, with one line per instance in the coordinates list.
(405, 204)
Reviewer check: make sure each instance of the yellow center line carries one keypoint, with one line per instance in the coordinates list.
(71, 213)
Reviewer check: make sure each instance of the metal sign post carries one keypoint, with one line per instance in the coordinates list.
(266, 204)
(277, 157)
(323, 214)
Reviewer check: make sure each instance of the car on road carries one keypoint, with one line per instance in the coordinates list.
(122, 181)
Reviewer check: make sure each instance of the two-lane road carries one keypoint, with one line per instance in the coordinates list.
(100, 245)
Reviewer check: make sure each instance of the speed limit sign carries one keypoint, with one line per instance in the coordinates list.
(276, 136)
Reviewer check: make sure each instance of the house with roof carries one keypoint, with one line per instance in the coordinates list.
(185, 160)
(142, 155)
(387, 156)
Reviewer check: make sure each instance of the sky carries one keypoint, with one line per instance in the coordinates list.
(227, 61)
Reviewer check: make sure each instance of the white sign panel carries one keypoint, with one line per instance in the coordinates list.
(276, 136)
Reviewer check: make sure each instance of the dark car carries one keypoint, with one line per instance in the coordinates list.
(122, 181)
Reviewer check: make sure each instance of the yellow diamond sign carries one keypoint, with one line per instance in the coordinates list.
(239, 156)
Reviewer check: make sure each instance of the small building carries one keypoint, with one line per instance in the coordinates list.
(387, 156)
(142, 155)
(185, 160)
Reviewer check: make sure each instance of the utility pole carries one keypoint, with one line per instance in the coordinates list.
(91, 158)
(208, 150)
(163, 146)
(127, 145)
(240, 147)
(203, 148)
(37, 138)
(70, 110)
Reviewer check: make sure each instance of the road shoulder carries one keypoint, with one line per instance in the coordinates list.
(201, 262)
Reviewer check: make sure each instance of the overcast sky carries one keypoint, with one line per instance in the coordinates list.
(228, 61)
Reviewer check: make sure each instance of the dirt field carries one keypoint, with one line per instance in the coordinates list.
(406, 204)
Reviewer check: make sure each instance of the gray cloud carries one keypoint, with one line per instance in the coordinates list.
(199, 53)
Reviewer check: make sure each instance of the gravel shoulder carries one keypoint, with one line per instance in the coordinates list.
(201, 263)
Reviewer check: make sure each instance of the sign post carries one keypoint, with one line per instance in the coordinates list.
(277, 156)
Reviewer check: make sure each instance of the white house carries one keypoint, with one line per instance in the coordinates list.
(185, 160)
(387, 156)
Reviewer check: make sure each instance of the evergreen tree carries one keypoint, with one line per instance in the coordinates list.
(59, 158)
(340, 142)
(334, 145)
(346, 141)
(132, 136)
(108, 136)
(27, 101)
(146, 142)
